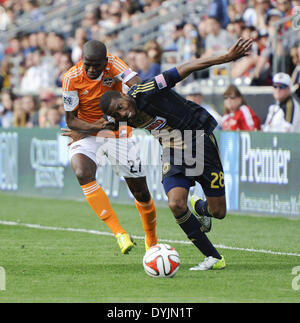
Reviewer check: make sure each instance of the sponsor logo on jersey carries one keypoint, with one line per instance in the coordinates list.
(108, 81)
(156, 124)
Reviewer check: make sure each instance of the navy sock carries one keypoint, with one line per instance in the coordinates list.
(201, 208)
(191, 226)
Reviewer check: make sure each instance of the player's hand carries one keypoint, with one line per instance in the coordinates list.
(240, 49)
(73, 135)
(104, 124)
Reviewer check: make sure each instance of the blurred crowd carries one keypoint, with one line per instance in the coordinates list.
(32, 64)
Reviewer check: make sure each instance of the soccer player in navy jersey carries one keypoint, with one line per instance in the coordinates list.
(185, 130)
(154, 106)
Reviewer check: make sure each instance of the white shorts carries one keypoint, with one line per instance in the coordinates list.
(121, 154)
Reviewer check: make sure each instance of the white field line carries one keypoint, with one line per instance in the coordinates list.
(221, 246)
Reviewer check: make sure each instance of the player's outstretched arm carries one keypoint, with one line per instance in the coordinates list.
(239, 49)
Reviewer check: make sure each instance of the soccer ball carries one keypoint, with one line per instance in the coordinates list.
(161, 260)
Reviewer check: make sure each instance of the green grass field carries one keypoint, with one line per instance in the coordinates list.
(45, 263)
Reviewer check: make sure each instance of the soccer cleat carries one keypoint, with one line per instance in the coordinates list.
(210, 263)
(147, 246)
(205, 221)
(125, 242)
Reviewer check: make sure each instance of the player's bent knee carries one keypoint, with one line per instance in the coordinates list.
(178, 207)
(217, 207)
(219, 213)
(84, 176)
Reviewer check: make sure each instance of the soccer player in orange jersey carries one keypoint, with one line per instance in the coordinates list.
(82, 86)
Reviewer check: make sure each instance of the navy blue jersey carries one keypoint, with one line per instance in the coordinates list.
(159, 106)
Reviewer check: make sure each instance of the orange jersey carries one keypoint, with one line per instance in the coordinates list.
(83, 94)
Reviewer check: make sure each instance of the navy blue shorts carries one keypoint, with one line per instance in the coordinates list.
(212, 178)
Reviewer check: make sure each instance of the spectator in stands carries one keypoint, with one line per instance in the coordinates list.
(6, 108)
(217, 42)
(19, 114)
(47, 99)
(217, 39)
(187, 43)
(169, 32)
(33, 41)
(4, 19)
(53, 117)
(64, 64)
(43, 121)
(42, 41)
(240, 8)
(55, 42)
(39, 76)
(31, 109)
(14, 48)
(262, 74)
(231, 11)
(296, 72)
(32, 8)
(152, 4)
(17, 7)
(244, 66)
(153, 50)
(5, 73)
(111, 15)
(284, 115)
(262, 40)
(60, 107)
(202, 33)
(237, 114)
(80, 39)
(232, 32)
(218, 9)
(130, 9)
(239, 25)
(145, 68)
(130, 59)
(285, 7)
(104, 11)
(195, 95)
(12, 18)
(255, 15)
(26, 49)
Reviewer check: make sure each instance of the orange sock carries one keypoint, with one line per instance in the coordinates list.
(148, 216)
(99, 202)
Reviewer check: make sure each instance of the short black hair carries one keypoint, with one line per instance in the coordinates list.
(106, 99)
(94, 48)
